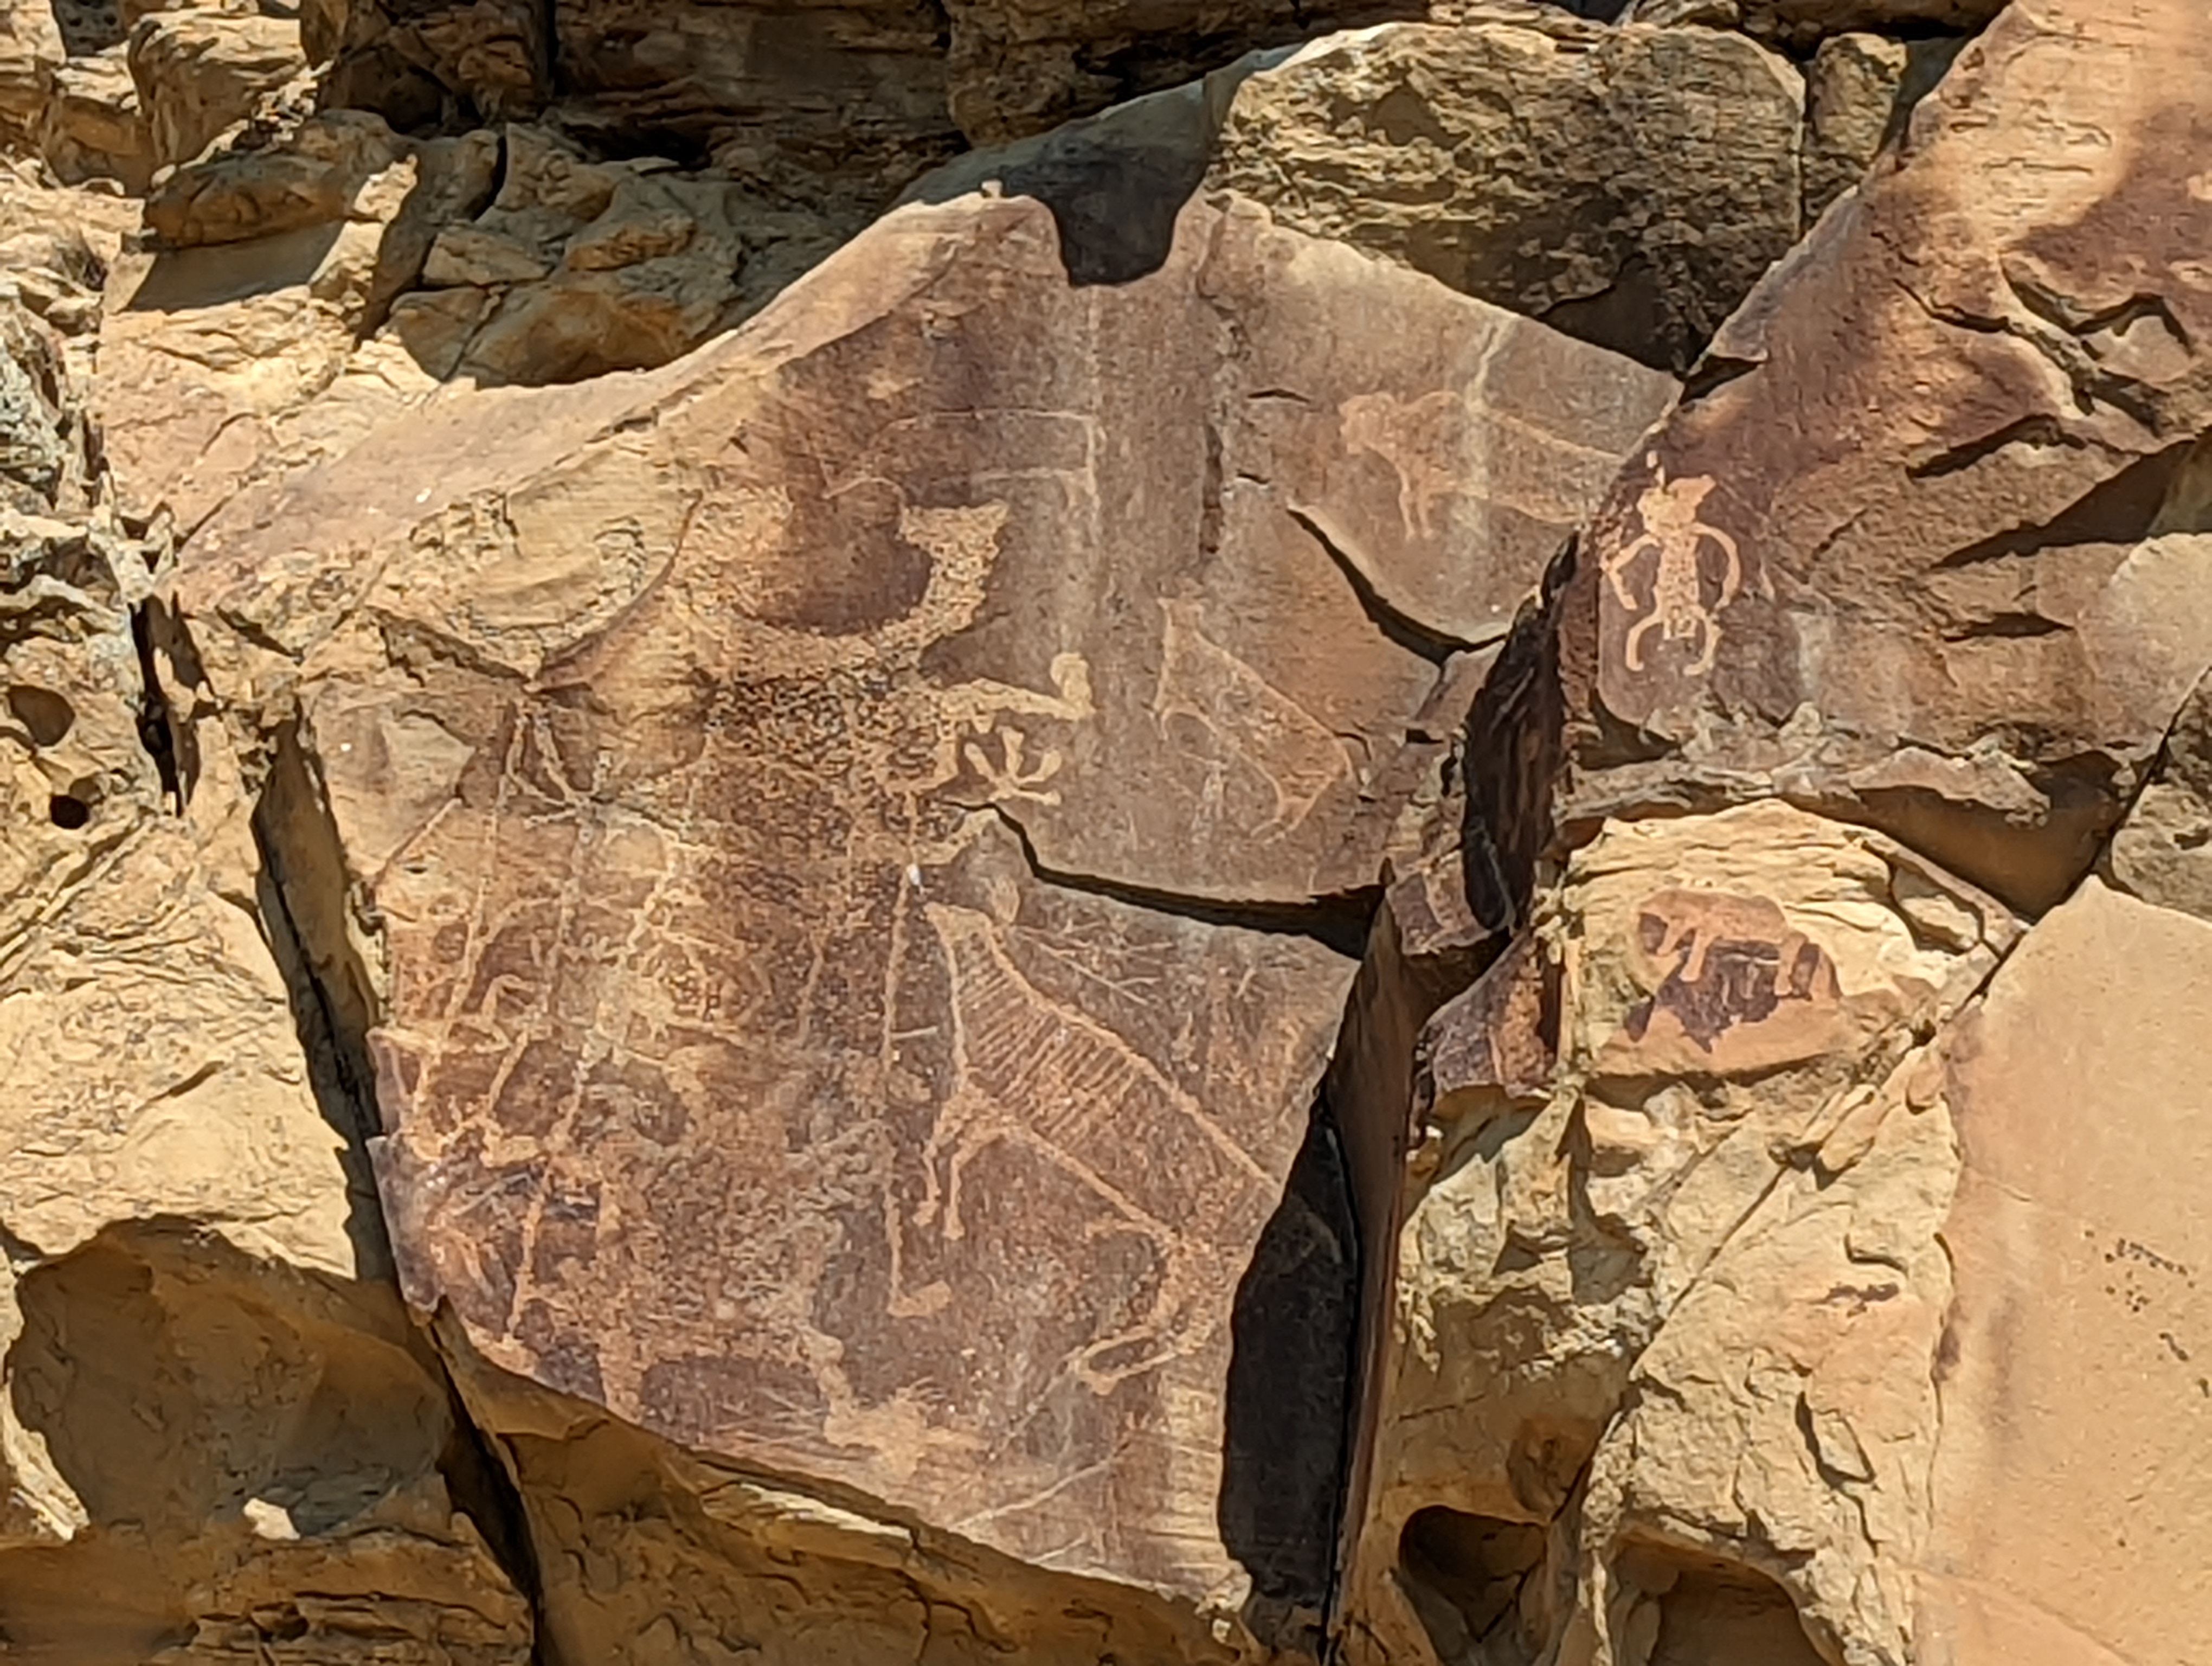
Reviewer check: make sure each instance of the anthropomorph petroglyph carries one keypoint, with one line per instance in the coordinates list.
(1253, 721)
(1677, 539)
(1422, 440)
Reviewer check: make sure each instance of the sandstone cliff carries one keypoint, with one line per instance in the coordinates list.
(1175, 833)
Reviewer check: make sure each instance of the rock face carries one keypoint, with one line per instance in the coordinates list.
(221, 1435)
(839, 710)
(1948, 581)
(1743, 1288)
(1576, 174)
(1397, 856)
(2054, 1239)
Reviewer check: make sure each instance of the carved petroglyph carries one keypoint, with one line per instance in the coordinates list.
(1712, 960)
(745, 532)
(1255, 723)
(778, 924)
(1423, 441)
(1041, 1074)
(1676, 539)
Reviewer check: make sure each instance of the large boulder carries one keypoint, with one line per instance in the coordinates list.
(1629, 186)
(1936, 556)
(842, 835)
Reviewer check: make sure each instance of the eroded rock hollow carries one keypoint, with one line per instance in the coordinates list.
(1010, 833)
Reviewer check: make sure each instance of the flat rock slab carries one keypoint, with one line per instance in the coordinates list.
(684, 733)
(2074, 1364)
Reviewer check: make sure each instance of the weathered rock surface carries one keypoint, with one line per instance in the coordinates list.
(1859, 91)
(221, 1436)
(31, 50)
(2162, 853)
(2072, 1363)
(1659, 1120)
(198, 71)
(795, 677)
(828, 849)
(1936, 559)
(92, 127)
(232, 343)
(1579, 174)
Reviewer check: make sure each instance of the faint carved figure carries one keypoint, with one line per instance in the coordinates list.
(1031, 1072)
(1300, 756)
(1423, 440)
(746, 527)
(1008, 776)
(1676, 538)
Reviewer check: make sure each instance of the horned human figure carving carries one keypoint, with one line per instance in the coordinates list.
(1677, 537)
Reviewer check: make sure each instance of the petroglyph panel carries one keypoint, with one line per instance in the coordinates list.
(1931, 554)
(1445, 461)
(739, 1072)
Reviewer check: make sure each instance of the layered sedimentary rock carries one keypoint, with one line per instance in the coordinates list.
(806, 814)
(221, 1437)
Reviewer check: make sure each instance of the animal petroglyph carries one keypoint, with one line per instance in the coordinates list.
(1676, 539)
(1713, 960)
(1257, 723)
(1422, 440)
(1034, 1072)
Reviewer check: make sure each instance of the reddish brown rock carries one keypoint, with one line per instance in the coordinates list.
(706, 750)
(1932, 559)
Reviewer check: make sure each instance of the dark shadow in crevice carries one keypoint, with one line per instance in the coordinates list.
(301, 892)
(1464, 1575)
(1516, 751)
(1338, 921)
(1400, 629)
(1713, 1610)
(2121, 509)
(1115, 183)
(1285, 1451)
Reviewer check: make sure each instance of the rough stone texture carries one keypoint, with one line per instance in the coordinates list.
(1934, 558)
(218, 1432)
(92, 127)
(1859, 91)
(1799, 23)
(763, 692)
(832, 864)
(31, 50)
(578, 269)
(2163, 852)
(199, 71)
(2073, 1364)
(233, 344)
(1662, 1124)
(1019, 66)
(54, 249)
(1628, 186)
